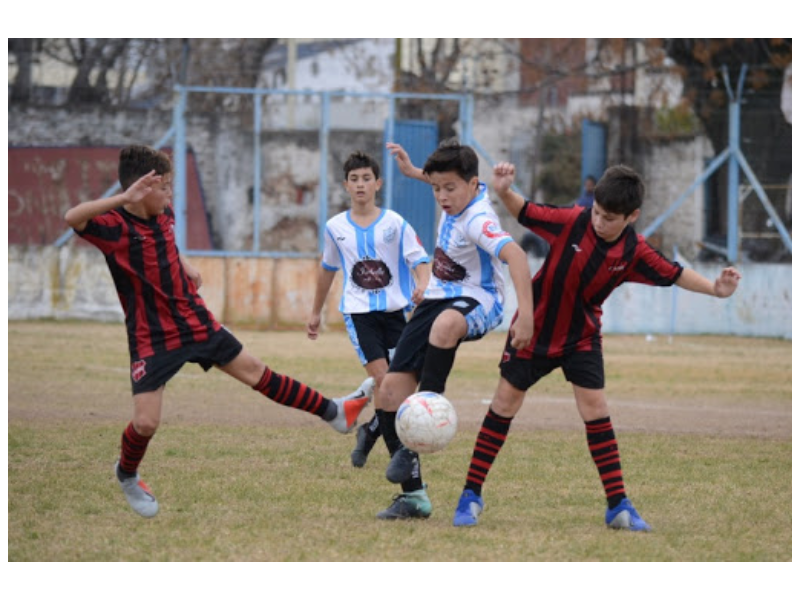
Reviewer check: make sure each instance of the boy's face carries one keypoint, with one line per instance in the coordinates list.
(609, 226)
(452, 193)
(362, 186)
(159, 197)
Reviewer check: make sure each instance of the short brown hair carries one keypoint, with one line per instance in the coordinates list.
(136, 161)
(452, 156)
(360, 160)
(620, 190)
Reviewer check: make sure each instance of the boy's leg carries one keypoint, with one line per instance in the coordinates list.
(404, 466)
(493, 434)
(603, 447)
(413, 502)
(340, 413)
(449, 328)
(374, 336)
(135, 439)
(368, 433)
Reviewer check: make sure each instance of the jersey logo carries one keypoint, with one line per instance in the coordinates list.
(445, 268)
(371, 274)
(138, 370)
(618, 267)
(577, 248)
(492, 230)
(389, 235)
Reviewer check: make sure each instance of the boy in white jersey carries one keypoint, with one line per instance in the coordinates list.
(463, 302)
(379, 254)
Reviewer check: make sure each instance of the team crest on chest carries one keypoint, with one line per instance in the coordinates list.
(389, 235)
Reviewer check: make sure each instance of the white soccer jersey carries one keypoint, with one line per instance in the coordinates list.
(377, 261)
(466, 259)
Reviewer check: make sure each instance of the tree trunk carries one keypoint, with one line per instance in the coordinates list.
(22, 87)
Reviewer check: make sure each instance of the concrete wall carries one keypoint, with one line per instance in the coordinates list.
(74, 283)
(289, 195)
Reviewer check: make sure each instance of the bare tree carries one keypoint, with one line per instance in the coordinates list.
(24, 52)
(111, 71)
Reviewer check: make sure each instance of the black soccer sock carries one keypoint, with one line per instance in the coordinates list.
(414, 483)
(373, 428)
(388, 431)
(393, 444)
(436, 369)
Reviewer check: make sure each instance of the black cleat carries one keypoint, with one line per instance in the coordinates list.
(411, 505)
(364, 444)
(402, 465)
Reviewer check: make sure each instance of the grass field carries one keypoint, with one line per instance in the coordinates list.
(704, 425)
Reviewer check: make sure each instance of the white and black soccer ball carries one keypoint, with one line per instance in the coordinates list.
(426, 422)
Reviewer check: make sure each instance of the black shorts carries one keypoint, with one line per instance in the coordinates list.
(374, 335)
(149, 374)
(584, 369)
(413, 344)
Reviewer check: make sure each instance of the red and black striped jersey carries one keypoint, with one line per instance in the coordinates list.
(163, 310)
(580, 272)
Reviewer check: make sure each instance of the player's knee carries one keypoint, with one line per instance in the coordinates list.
(448, 328)
(146, 425)
(506, 405)
(379, 381)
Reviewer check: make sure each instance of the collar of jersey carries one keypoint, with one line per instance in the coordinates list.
(357, 226)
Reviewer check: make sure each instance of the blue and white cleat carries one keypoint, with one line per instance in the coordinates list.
(469, 508)
(624, 516)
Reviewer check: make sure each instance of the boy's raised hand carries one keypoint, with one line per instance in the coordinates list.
(404, 163)
(727, 282)
(503, 177)
(141, 187)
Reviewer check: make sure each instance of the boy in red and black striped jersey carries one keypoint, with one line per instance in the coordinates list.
(167, 321)
(592, 251)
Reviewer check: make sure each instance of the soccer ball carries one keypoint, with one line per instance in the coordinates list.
(426, 422)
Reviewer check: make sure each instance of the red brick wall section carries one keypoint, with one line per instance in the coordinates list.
(43, 183)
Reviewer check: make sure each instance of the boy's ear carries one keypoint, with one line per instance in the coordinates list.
(634, 215)
(378, 184)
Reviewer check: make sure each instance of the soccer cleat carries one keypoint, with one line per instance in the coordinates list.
(364, 444)
(350, 406)
(624, 516)
(402, 465)
(470, 506)
(137, 494)
(411, 505)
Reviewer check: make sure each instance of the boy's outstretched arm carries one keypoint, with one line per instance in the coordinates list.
(79, 216)
(517, 261)
(422, 276)
(324, 282)
(724, 286)
(404, 163)
(502, 178)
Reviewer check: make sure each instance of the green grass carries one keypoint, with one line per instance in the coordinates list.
(241, 479)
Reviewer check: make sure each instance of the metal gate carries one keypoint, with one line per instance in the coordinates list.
(593, 155)
(411, 198)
